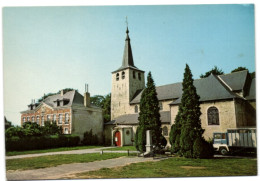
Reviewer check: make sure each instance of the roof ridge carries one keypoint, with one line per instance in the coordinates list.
(229, 90)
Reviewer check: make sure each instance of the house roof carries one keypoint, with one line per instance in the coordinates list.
(209, 88)
(252, 90)
(132, 119)
(73, 97)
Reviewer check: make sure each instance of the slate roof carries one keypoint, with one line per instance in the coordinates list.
(73, 97)
(132, 119)
(210, 88)
(236, 81)
(252, 90)
(128, 61)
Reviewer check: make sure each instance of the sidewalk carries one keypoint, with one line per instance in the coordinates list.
(66, 170)
(84, 151)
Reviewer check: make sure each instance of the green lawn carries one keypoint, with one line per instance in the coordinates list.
(123, 148)
(12, 153)
(54, 160)
(178, 167)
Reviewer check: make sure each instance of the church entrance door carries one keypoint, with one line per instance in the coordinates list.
(118, 138)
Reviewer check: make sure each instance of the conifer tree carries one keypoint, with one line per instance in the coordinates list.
(190, 115)
(149, 116)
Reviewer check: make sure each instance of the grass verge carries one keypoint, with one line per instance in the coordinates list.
(123, 148)
(178, 167)
(55, 160)
(13, 153)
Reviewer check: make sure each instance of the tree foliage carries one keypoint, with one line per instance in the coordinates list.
(8, 124)
(149, 116)
(103, 102)
(252, 74)
(239, 69)
(187, 128)
(215, 71)
(30, 129)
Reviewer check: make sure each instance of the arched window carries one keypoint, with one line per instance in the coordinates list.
(213, 116)
(160, 105)
(33, 119)
(165, 131)
(136, 109)
(134, 74)
(139, 76)
(117, 76)
(123, 75)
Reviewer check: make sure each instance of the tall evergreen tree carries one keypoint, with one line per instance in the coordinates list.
(190, 115)
(149, 116)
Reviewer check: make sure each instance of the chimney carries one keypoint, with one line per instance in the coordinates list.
(86, 96)
(61, 92)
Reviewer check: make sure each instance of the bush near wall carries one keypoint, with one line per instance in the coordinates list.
(41, 142)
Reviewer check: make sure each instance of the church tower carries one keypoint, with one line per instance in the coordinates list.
(126, 81)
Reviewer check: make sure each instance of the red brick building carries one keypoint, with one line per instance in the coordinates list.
(72, 111)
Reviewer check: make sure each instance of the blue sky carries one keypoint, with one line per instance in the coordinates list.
(50, 48)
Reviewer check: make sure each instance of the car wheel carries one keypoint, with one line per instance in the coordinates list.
(223, 151)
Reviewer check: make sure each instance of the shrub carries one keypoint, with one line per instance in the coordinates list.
(202, 149)
(89, 138)
(16, 143)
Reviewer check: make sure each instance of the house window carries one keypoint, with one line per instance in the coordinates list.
(123, 75)
(28, 119)
(66, 131)
(48, 117)
(38, 119)
(60, 119)
(160, 105)
(134, 74)
(165, 131)
(136, 109)
(213, 116)
(42, 121)
(139, 76)
(54, 118)
(24, 119)
(33, 119)
(117, 76)
(67, 118)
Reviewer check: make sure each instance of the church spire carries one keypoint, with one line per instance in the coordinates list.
(128, 56)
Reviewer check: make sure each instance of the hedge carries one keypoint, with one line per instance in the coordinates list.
(41, 142)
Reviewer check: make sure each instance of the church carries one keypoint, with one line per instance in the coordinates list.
(226, 101)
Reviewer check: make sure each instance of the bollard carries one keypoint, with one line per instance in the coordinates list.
(101, 153)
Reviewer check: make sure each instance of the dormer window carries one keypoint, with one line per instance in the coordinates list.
(123, 75)
(139, 76)
(58, 103)
(134, 74)
(117, 76)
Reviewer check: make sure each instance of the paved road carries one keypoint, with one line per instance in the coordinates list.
(66, 170)
(84, 151)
